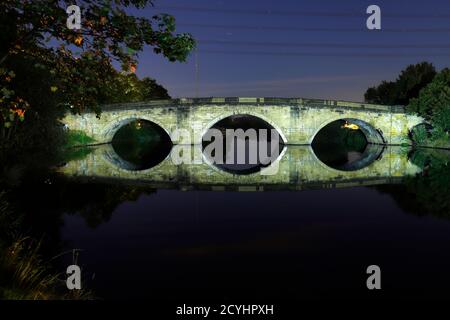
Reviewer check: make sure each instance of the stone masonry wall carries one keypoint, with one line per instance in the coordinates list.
(297, 120)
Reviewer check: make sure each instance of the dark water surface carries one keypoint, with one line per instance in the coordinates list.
(154, 240)
(309, 244)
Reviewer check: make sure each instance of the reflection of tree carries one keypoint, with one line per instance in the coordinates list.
(429, 192)
(41, 198)
(96, 202)
(31, 215)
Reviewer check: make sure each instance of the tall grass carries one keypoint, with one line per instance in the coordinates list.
(30, 277)
(24, 274)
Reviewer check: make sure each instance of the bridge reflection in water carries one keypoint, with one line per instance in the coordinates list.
(296, 168)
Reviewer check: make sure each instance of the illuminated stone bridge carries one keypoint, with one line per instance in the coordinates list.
(296, 168)
(297, 120)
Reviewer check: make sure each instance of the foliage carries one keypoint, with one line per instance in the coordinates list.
(13, 107)
(47, 69)
(77, 138)
(385, 93)
(83, 58)
(41, 129)
(433, 104)
(23, 272)
(27, 274)
(127, 87)
(405, 87)
(420, 134)
(426, 94)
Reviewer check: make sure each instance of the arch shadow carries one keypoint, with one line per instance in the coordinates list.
(372, 134)
(138, 145)
(347, 144)
(111, 130)
(248, 113)
(247, 167)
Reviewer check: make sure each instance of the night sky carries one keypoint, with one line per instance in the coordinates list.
(279, 59)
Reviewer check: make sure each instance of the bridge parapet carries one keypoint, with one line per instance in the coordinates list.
(250, 101)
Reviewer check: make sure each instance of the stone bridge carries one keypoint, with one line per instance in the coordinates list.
(297, 120)
(297, 168)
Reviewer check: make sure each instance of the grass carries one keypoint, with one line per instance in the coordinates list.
(436, 138)
(75, 138)
(76, 146)
(27, 276)
(24, 274)
(440, 143)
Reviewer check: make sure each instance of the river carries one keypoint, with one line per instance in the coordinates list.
(307, 231)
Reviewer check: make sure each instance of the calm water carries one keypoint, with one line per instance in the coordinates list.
(190, 232)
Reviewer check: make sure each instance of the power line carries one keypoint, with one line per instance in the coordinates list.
(326, 45)
(259, 12)
(302, 13)
(196, 73)
(321, 54)
(312, 29)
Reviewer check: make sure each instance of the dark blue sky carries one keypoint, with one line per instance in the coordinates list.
(294, 67)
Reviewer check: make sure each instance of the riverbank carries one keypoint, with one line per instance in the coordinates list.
(25, 274)
(442, 144)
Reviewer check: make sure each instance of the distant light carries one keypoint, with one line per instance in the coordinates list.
(351, 126)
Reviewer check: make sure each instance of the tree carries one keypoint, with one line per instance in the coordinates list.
(82, 59)
(72, 68)
(433, 102)
(127, 87)
(405, 87)
(383, 94)
(152, 90)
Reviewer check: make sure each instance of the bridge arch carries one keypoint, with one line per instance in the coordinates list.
(226, 115)
(372, 153)
(372, 134)
(422, 128)
(268, 170)
(119, 122)
(138, 145)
